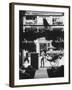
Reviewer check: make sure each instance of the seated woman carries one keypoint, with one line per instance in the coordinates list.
(23, 68)
(26, 71)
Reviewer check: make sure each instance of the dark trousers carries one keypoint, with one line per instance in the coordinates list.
(42, 62)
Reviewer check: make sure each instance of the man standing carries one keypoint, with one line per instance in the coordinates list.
(42, 59)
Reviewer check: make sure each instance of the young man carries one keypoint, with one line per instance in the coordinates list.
(42, 59)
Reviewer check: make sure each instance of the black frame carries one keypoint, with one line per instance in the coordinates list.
(11, 43)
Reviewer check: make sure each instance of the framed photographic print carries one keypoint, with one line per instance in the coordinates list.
(39, 44)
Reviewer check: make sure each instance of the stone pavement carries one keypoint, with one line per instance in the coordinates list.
(41, 73)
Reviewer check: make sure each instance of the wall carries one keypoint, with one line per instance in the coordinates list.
(4, 44)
